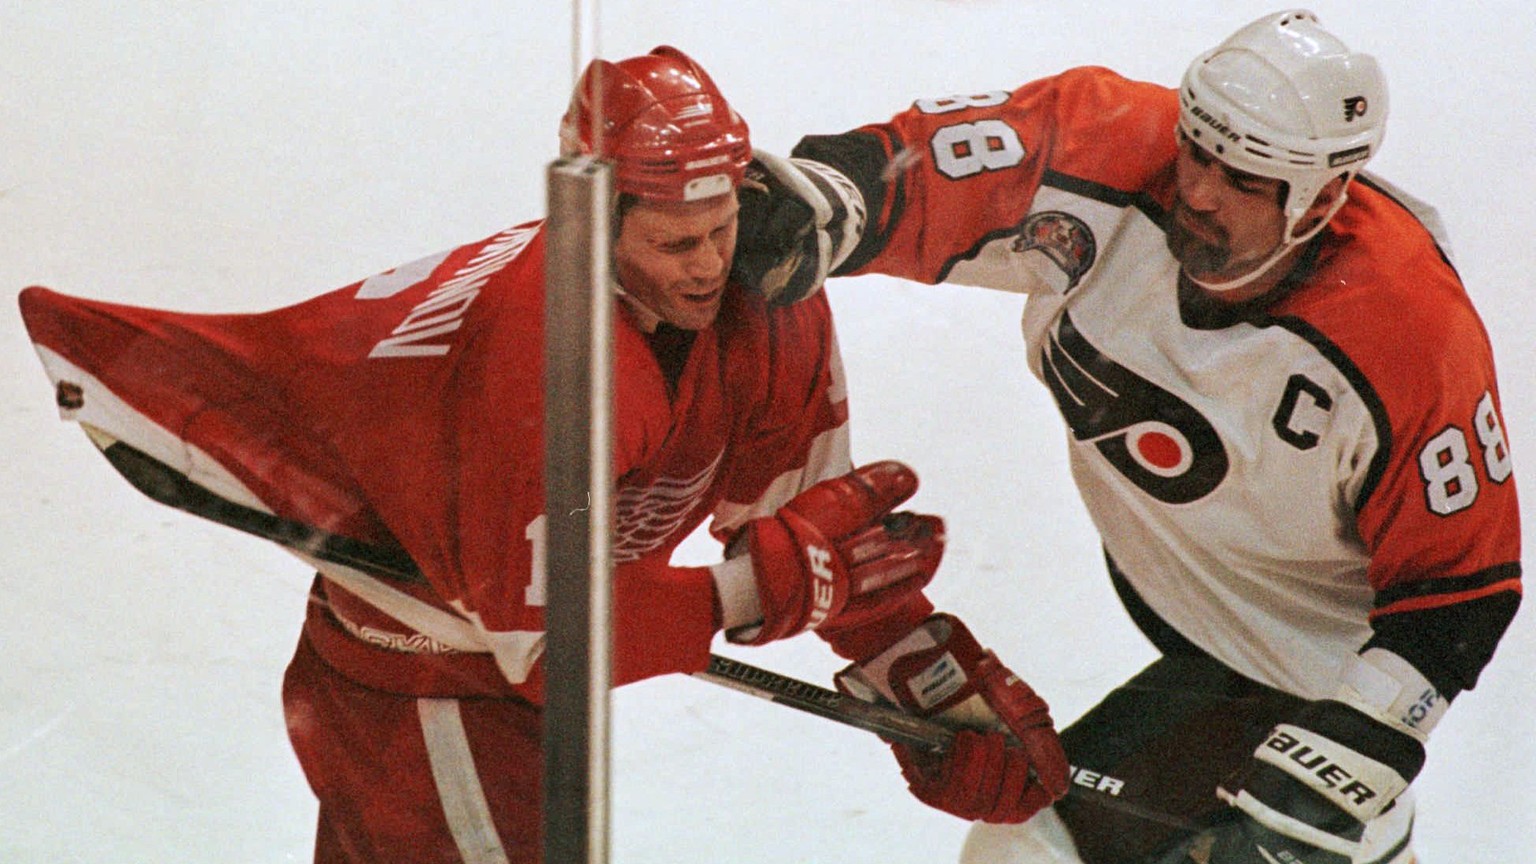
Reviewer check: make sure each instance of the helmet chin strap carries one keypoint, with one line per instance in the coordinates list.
(1281, 249)
(1259, 270)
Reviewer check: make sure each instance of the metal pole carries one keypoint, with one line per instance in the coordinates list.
(578, 499)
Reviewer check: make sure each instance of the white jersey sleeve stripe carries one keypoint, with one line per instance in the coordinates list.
(458, 783)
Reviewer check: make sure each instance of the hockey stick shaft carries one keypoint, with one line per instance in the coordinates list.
(173, 489)
(889, 723)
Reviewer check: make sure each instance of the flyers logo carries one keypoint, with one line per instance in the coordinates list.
(1158, 441)
(1355, 107)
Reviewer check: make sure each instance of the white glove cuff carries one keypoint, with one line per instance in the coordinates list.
(850, 204)
(736, 586)
(875, 673)
(1384, 686)
(1280, 823)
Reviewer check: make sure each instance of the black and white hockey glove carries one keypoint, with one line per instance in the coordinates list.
(799, 220)
(1311, 787)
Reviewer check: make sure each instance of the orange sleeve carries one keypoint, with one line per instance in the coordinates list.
(949, 174)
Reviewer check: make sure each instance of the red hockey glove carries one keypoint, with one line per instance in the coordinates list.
(836, 555)
(981, 777)
(1007, 762)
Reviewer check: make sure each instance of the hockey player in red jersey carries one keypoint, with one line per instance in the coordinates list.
(405, 411)
(1281, 410)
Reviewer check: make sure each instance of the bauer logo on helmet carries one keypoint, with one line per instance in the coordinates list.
(1350, 156)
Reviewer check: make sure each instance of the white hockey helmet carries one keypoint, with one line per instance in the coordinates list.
(1284, 98)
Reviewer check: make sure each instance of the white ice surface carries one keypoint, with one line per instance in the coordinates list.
(244, 154)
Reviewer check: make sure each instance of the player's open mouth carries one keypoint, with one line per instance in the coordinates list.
(705, 296)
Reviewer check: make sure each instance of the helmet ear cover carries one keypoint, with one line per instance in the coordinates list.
(669, 130)
(1283, 98)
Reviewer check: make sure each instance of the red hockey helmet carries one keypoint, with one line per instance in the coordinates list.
(666, 126)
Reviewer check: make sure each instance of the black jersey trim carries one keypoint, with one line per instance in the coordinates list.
(975, 250)
(1371, 183)
(1449, 643)
(1168, 641)
(1199, 312)
(1448, 586)
(1362, 387)
(1106, 194)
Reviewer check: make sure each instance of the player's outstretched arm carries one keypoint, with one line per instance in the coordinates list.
(1006, 763)
(834, 556)
(798, 221)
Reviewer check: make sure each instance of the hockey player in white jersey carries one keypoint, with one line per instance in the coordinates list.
(1282, 414)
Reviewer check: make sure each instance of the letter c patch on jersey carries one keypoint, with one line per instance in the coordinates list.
(1157, 440)
(1295, 415)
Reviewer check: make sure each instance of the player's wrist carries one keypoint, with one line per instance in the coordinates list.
(1384, 686)
(741, 612)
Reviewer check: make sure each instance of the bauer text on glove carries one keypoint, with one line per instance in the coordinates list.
(834, 555)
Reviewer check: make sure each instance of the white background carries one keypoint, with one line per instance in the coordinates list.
(240, 155)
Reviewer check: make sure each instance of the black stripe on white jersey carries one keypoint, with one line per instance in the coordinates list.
(1448, 643)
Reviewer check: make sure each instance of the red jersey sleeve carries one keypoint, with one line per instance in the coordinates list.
(789, 398)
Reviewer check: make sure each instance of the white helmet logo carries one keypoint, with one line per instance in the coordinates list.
(707, 186)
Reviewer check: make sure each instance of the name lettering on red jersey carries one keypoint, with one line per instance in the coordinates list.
(444, 309)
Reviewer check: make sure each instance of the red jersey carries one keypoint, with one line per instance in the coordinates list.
(407, 409)
(1282, 484)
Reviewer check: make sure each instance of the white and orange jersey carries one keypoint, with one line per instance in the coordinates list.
(1280, 484)
(406, 410)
